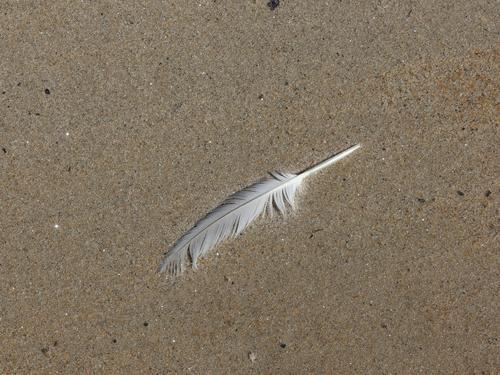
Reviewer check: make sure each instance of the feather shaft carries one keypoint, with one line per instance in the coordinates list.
(331, 160)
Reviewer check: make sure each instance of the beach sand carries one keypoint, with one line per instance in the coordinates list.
(122, 123)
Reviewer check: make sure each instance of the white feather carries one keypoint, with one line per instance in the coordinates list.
(277, 191)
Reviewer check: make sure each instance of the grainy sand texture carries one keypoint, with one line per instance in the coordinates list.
(123, 122)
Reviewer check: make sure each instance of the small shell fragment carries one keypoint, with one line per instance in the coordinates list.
(252, 356)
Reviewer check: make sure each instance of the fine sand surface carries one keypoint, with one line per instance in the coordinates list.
(123, 122)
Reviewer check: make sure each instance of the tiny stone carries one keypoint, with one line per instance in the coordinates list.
(282, 345)
(486, 194)
(273, 4)
(461, 193)
(47, 91)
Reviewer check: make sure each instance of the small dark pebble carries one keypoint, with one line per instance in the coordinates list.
(421, 200)
(146, 324)
(47, 91)
(4, 150)
(114, 341)
(55, 343)
(461, 193)
(4, 92)
(273, 4)
(486, 194)
(315, 231)
(383, 325)
(282, 345)
(44, 350)
(261, 96)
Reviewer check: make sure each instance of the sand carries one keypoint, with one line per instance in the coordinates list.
(122, 123)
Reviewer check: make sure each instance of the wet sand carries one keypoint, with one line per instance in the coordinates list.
(121, 125)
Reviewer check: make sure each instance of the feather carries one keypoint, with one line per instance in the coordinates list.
(275, 192)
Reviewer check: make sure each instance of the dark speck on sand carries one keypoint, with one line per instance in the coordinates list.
(273, 4)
